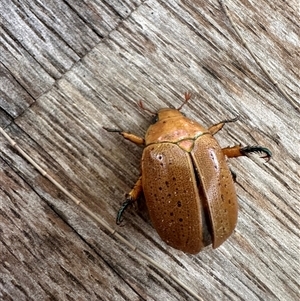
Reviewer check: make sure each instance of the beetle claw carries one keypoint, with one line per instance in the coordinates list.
(257, 149)
(267, 157)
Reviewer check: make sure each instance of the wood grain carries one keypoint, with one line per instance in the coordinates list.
(67, 70)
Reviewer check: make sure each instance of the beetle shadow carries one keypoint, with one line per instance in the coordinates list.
(142, 209)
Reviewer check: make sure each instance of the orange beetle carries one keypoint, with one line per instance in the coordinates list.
(188, 186)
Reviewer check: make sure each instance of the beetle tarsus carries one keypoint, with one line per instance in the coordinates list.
(231, 120)
(112, 130)
(217, 127)
(124, 206)
(257, 149)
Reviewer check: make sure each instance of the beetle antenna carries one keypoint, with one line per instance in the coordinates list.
(187, 97)
(141, 105)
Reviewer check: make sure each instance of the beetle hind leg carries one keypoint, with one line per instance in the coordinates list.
(237, 151)
(131, 197)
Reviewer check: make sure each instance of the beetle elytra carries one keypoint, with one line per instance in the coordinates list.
(188, 186)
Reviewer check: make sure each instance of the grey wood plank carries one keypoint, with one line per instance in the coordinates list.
(48, 260)
(14, 100)
(160, 51)
(41, 41)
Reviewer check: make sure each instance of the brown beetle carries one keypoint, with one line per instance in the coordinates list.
(188, 186)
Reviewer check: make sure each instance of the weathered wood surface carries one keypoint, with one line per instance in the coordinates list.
(68, 68)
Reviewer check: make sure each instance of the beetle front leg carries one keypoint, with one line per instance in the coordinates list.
(217, 127)
(237, 151)
(131, 197)
(131, 137)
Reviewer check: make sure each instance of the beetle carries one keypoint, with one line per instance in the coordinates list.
(187, 184)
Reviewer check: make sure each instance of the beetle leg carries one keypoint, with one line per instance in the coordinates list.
(131, 197)
(237, 151)
(131, 137)
(217, 127)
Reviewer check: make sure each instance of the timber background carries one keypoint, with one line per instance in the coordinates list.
(68, 68)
